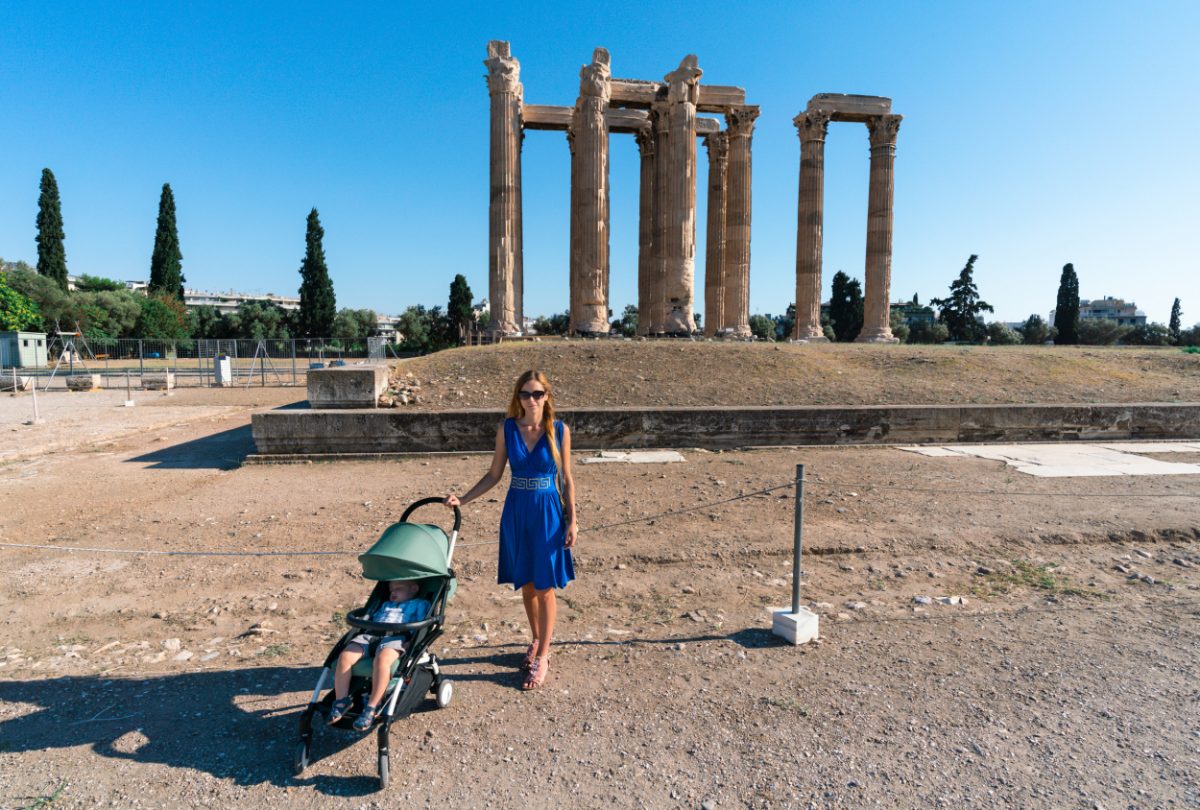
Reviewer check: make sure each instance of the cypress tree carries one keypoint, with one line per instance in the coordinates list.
(846, 307)
(1066, 312)
(318, 306)
(52, 255)
(1173, 327)
(166, 263)
(460, 310)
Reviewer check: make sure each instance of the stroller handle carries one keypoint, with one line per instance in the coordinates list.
(426, 502)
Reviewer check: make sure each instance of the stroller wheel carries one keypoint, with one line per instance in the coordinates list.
(383, 770)
(445, 693)
(300, 762)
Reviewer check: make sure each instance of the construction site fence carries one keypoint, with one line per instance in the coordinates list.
(125, 361)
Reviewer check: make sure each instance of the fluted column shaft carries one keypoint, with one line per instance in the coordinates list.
(740, 124)
(589, 199)
(714, 258)
(876, 306)
(661, 210)
(505, 249)
(645, 142)
(683, 92)
(811, 127)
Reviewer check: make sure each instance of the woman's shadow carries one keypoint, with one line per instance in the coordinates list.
(225, 723)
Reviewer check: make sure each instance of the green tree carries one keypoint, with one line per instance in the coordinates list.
(52, 301)
(166, 262)
(999, 334)
(318, 305)
(86, 283)
(554, 325)
(13, 267)
(257, 320)
(846, 307)
(785, 324)
(1173, 326)
(925, 332)
(1066, 310)
(52, 254)
(459, 310)
(627, 324)
(762, 327)
(1148, 334)
(355, 325)
(960, 311)
(163, 317)
(1036, 331)
(899, 325)
(108, 313)
(18, 313)
(205, 322)
(1099, 332)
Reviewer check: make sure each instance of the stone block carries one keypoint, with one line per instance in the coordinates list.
(83, 382)
(158, 381)
(795, 628)
(848, 107)
(19, 383)
(346, 386)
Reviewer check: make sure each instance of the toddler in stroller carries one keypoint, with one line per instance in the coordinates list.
(402, 607)
(383, 666)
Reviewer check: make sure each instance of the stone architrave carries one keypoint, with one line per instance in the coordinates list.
(740, 124)
(589, 199)
(714, 257)
(876, 308)
(683, 93)
(812, 127)
(645, 143)
(661, 209)
(505, 251)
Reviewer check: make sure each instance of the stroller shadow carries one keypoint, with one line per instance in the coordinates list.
(220, 451)
(217, 722)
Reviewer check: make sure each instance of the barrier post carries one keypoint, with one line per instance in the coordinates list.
(797, 625)
(798, 543)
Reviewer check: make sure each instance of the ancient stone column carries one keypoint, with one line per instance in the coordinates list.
(660, 121)
(714, 256)
(645, 142)
(683, 93)
(505, 259)
(740, 124)
(876, 306)
(589, 199)
(811, 127)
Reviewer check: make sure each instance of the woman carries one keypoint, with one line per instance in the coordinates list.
(537, 526)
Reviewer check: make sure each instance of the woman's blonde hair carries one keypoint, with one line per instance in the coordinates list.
(516, 410)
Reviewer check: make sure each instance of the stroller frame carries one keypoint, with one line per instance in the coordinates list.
(416, 672)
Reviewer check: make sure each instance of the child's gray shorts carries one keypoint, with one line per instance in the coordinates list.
(387, 642)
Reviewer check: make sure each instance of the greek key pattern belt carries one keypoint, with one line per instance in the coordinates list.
(543, 482)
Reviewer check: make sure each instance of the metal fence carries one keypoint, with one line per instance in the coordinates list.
(192, 361)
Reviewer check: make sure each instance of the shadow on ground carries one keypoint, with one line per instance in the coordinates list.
(220, 451)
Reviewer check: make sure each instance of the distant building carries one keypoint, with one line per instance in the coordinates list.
(22, 349)
(1109, 309)
(386, 327)
(228, 302)
(914, 313)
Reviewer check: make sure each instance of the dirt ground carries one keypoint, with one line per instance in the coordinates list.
(612, 373)
(1068, 678)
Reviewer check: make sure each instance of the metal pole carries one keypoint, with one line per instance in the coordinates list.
(36, 416)
(262, 347)
(141, 360)
(15, 375)
(293, 361)
(799, 540)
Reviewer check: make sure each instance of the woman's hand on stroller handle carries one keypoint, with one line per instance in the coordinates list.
(452, 501)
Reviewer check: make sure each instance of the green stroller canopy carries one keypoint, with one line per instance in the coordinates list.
(407, 551)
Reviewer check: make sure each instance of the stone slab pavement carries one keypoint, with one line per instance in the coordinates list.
(1075, 459)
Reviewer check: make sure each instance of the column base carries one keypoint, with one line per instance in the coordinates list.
(877, 336)
(809, 332)
(678, 325)
(508, 329)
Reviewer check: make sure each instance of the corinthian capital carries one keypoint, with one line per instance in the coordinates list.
(504, 72)
(812, 125)
(645, 139)
(594, 79)
(683, 83)
(718, 147)
(740, 120)
(883, 129)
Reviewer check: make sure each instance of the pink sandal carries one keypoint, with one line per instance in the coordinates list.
(538, 671)
(530, 657)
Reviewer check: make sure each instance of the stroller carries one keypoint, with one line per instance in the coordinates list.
(413, 551)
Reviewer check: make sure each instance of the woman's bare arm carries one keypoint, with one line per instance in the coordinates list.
(568, 489)
(490, 478)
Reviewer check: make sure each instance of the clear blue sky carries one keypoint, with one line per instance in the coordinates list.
(1035, 134)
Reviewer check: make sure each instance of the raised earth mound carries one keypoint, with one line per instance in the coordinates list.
(611, 373)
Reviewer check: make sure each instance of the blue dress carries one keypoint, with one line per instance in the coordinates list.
(532, 531)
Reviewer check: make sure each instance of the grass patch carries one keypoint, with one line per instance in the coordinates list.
(787, 704)
(45, 801)
(1025, 574)
(275, 651)
(1190, 350)
(338, 618)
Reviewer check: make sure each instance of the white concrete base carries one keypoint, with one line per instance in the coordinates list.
(1074, 459)
(129, 403)
(795, 628)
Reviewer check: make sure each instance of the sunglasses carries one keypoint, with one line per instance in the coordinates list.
(532, 394)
